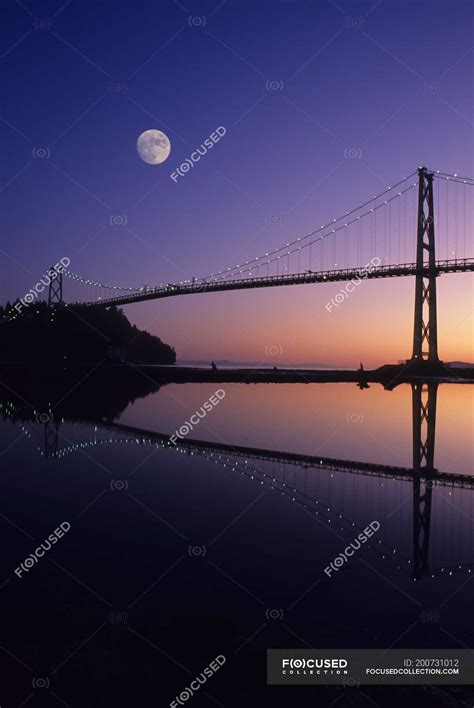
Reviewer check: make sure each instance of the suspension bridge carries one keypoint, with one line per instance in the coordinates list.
(403, 231)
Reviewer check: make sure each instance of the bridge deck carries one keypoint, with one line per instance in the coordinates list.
(326, 276)
(292, 458)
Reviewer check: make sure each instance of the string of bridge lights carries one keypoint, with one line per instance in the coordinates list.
(454, 178)
(292, 493)
(298, 240)
(281, 252)
(229, 271)
(331, 516)
(87, 281)
(251, 472)
(106, 286)
(320, 238)
(225, 273)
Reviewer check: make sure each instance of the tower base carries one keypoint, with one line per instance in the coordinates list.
(424, 367)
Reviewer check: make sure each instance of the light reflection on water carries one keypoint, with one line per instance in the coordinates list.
(265, 530)
(334, 420)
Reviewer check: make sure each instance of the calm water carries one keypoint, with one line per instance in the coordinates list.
(176, 555)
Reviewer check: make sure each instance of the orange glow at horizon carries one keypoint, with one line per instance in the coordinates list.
(334, 420)
(291, 325)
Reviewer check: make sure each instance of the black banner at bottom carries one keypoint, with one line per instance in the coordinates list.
(353, 667)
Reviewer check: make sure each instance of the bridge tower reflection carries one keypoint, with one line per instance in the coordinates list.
(424, 397)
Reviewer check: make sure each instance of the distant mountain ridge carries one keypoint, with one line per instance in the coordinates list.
(257, 364)
(229, 363)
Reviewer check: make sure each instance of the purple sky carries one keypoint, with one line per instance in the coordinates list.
(324, 104)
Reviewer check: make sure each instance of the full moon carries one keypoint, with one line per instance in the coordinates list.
(153, 146)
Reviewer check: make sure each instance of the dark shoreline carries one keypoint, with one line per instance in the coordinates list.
(386, 375)
(125, 372)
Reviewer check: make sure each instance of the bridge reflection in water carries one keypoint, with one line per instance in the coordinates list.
(345, 494)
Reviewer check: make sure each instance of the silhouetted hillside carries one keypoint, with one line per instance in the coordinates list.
(77, 334)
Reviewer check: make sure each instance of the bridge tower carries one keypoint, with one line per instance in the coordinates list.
(55, 294)
(425, 324)
(424, 424)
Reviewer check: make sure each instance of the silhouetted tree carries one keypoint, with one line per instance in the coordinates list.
(77, 334)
